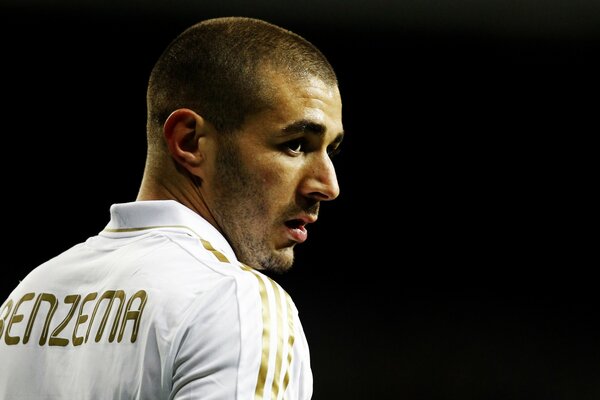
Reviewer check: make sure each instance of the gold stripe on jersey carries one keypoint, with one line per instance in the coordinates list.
(220, 256)
(280, 367)
(291, 339)
(261, 381)
(278, 356)
(266, 337)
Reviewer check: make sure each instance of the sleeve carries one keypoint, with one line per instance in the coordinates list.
(244, 342)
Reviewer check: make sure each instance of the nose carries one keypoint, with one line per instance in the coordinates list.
(321, 181)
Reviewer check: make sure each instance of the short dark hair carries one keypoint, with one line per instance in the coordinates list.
(217, 68)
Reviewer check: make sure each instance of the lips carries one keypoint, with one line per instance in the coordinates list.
(296, 231)
(296, 228)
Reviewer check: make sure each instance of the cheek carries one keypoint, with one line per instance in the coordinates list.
(279, 181)
(271, 189)
(270, 170)
(276, 179)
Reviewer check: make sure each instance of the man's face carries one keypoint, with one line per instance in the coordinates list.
(269, 178)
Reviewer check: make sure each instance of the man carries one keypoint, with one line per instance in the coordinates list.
(168, 301)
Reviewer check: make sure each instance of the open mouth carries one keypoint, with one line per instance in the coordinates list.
(297, 230)
(294, 223)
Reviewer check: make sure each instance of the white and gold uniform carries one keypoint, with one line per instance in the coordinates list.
(156, 306)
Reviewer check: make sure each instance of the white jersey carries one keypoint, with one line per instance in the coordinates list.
(156, 306)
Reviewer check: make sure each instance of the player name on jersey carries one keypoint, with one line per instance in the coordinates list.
(78, 316)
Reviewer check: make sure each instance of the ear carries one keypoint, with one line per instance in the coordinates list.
(183, 132)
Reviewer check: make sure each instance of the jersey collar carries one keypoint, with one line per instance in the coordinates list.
(134, 217)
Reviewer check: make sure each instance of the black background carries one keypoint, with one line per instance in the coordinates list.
(458, 261)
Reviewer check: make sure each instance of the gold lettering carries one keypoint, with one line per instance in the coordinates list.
(54, 340)
(50, 298)
(6, 307)
(16, 318)
(77, 340)
(113, 332)
(110, 296)
(114, 319)
(136, 315)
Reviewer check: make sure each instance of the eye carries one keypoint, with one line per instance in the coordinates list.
(332, 151)
(295, 146)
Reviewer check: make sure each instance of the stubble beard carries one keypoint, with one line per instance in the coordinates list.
(241, 212)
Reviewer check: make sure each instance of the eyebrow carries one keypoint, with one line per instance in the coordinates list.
(306, 126)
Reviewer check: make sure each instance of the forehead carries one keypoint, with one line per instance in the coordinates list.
(307, 99)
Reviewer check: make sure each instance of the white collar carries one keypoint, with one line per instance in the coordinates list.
(137, 216)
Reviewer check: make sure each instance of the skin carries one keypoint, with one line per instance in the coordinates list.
(263, 185)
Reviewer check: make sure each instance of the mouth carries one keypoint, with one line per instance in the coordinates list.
(296, 228)
(295, 223)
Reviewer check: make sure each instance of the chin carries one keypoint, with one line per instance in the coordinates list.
(280, 261)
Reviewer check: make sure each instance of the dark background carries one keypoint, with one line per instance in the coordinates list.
(458, 262)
